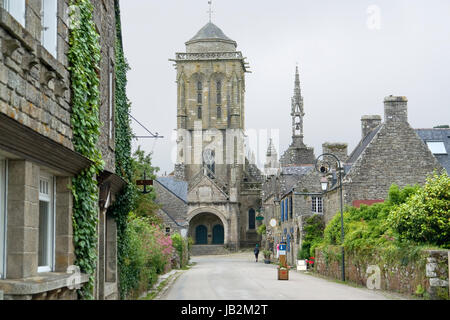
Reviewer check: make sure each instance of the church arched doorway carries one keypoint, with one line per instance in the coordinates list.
(218, 234)
(201, 235)
(207, 228)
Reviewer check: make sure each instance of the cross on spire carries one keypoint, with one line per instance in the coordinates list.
(210, 10)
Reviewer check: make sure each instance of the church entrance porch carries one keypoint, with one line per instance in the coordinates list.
(207, 229)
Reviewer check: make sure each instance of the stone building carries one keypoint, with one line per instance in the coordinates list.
(291, 193)
(37, 157)
(172, 196)
(223, 188)
(389, 152)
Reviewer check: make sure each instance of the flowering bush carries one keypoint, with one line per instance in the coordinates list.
(310, 262)
(149, 255)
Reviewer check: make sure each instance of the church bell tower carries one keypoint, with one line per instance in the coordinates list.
(210, 107)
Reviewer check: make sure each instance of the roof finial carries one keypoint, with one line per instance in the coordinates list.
(210, 10)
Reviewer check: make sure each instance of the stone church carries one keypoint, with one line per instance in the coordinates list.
(221, 187)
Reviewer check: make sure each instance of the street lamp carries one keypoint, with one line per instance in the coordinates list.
(324, 168)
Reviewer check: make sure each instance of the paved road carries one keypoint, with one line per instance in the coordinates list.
(239, 277)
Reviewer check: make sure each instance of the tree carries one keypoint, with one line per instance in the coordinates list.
(145, 203)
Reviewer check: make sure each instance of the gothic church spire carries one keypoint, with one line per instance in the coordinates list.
(297, 112)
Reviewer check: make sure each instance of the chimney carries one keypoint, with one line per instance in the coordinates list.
(340, 150)
(368, 123)
(395, 109)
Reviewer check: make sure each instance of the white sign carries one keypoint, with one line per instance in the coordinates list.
(273, 222)
(282, 252)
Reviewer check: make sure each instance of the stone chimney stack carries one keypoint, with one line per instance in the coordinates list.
(340, 150)
(395, 109)
(368, 123)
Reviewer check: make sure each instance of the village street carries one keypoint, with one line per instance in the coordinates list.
(238, 277)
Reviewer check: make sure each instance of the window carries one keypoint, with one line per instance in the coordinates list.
(199, 92)
(317, 204)
(286, 209)
(2, 217)
(219, 92)
(282, 211)
(437, 147)
(290, 207)
(219, 112)
(111, 102)
(46, 224)
(251, 219)
(49, 25)
(199, 112)
(16, 8)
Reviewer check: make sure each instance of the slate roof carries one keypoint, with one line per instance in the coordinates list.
(210, 32)
(438, 134)
(362, 145)
(177, 187)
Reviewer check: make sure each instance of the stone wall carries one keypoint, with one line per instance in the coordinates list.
(104, 18)
(429, 271)
(34, 85)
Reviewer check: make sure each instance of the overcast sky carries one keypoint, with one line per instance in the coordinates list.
(351, 54)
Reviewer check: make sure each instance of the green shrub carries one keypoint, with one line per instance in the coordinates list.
(314, 228)
(261, 229)
(149, 252)
(425, 216)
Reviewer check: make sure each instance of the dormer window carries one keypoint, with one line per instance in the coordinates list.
(437, 147)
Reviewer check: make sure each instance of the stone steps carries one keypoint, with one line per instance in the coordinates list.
(203, 250)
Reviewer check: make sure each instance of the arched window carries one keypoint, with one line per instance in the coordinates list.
(219, 92)
(199, 112)
(199, 92)
(251, 219)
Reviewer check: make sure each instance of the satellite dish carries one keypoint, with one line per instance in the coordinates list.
(273, 222)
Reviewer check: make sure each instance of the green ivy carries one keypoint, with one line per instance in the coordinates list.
(125, 201)
(84, 58)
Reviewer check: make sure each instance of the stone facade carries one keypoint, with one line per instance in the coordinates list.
(391, 153)
(37, 157)
(288, 193)
(223, 190)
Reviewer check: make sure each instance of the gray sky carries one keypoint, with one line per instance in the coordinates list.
(349, 60)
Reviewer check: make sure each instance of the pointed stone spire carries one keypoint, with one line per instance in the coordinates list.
(271, 149)
(272, 166)
(297, 113)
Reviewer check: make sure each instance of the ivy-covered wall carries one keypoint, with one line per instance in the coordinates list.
(84, 57)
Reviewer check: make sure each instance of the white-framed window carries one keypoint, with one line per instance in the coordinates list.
(317, 204)
(437, 147)
(3, 184)
(49, 19)
(46, 223)
(16, 8)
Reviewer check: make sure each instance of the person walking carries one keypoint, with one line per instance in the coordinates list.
(256, 251)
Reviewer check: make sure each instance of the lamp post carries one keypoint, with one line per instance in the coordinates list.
(325, 168)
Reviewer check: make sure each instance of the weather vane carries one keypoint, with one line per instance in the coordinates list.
(210, 10)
